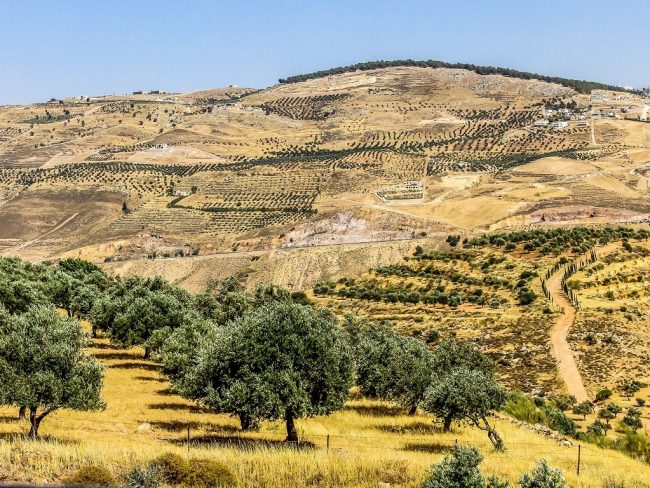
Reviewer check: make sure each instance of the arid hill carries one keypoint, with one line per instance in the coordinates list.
(364, 156)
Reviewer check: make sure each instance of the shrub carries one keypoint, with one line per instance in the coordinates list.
(147, 477)
(603, 395)
(557, 420)
(494, 482)
(205, 473)
(523, 408)
(564, 402)
(526, 296)
(91, 476)
(543, 476)
(172, 468)
(459, 470)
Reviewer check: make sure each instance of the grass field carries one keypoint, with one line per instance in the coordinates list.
(370, 442)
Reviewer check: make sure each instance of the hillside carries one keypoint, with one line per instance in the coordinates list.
(454, 203)
(358, 156)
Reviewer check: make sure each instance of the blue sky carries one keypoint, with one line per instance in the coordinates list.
(61, 48)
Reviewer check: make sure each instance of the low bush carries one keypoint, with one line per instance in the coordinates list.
(205, 473)
(543, 476)
(147, 477)
(90, 476)
(523, 408)
(459, 470)
(603, 395)
(173, 468)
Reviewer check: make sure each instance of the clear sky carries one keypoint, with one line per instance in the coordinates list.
(59, 48)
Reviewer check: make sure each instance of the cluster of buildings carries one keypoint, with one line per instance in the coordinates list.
(558, 118)
(600, 96)
(557, 124)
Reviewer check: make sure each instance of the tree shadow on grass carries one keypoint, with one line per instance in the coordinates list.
(181, 426)
(11, 418)
(243, 443)
(94, 344)
(43, 438)
(118, 356)
(428, 447)
(375, 410)
(166, 392)
(136, 365)
(417, 427)
(150, 378)
(178, 425)
(179, 407)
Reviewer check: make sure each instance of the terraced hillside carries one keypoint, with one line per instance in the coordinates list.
(432, 148)
(495, 291)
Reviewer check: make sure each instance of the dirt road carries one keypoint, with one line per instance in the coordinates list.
(51, 231)
(560, 348)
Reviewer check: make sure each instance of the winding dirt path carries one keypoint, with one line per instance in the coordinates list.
(560, 348)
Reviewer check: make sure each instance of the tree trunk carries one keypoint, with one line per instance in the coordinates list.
(447, 424)
(413, 410)
(34, 422)
(22, 414)
(147, 352)
(292, 433)
(493, 435)
(248, 423)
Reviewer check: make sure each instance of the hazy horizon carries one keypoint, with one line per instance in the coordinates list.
(79, 48)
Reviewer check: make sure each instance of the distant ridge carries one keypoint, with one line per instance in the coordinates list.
(581, 86)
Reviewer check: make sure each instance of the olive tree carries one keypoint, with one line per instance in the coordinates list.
(132, 311)
(466, 394)
(278, 361)
(633, 419)
(452, 354)
(43, 366)
(584, 409)
(391, 366)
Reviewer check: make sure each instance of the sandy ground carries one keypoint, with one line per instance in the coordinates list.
(560, 348)
(557, 166)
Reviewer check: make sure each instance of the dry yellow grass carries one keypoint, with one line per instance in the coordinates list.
(370, 442)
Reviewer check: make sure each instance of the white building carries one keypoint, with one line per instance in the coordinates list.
(597, 96)
(560, 124)
(541, 123)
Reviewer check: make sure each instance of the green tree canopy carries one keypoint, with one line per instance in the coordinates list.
(466, 394)
(389, 365)
(43, 366)
(21, 285)
(278, 361)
